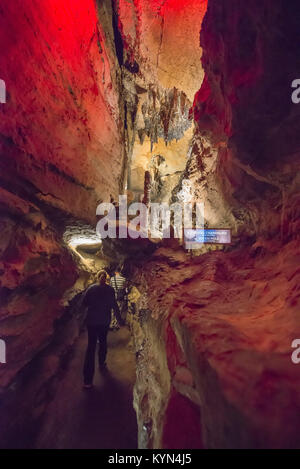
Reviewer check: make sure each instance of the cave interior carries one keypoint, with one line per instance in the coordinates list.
(163, 101)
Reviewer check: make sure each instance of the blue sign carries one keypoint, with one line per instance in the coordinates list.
(194, 238)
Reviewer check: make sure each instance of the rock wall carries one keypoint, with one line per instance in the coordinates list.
(161, 41)
(245, 158)
(213, 340)
(61, 124)
(214, 331)
(160, 56)
(61, 152)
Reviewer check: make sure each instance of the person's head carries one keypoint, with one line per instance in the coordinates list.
(119, 269)
(102, 277)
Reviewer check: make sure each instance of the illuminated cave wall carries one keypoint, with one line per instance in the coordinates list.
(162, 71)
(61, 126)
(215, 331)
(61, 152)
(245, 157)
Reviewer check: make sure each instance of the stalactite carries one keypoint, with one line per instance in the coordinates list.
(147, 189)
(165, 114)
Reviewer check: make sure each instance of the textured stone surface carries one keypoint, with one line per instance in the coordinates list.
(161, 57)
(36, 271)
(218, 330)
(61, 126)
(87, 90)
(61, 152)
(162, 38)
(245, 117)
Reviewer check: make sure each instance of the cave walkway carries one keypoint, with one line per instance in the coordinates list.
(99, 418)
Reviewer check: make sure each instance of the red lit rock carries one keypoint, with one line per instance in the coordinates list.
(61, 126)
(61, 152)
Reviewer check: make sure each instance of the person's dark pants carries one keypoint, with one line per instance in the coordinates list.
(95, 333)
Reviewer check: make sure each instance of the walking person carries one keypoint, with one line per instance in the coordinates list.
(118, 282)
(99, 299)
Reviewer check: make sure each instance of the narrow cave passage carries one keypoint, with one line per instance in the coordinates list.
(162, 102)
(101, 418)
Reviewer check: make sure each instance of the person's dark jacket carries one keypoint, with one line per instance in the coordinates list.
(100, 300)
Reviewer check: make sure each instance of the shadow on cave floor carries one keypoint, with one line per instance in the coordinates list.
(102, 417)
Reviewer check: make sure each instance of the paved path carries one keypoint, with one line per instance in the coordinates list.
(102, 417)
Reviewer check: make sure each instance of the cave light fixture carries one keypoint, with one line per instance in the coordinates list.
(78, 241)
